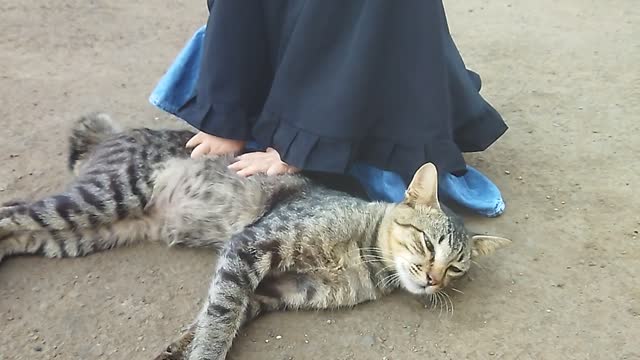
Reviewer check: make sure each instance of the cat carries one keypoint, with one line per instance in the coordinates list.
(284, 242)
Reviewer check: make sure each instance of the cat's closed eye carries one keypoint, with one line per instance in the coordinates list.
(428, 243)
(454, 269)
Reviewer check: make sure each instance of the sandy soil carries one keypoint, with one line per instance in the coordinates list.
(563, 73)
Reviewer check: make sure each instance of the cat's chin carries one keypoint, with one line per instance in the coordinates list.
(408, 284)
(416, 289)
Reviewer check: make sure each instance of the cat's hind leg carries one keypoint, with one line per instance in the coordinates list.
(92, 200)
(79, 242)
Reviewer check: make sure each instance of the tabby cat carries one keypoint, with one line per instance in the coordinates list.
(284, 242)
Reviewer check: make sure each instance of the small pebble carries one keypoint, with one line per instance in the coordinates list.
(548, 197)
(278, 337)
(369, 340)
(555, 209)
(507, 172)
(266, 341)
(329, 321)
(38, 348)
(548, 310)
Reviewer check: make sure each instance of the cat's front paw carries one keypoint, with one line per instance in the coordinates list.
(178, 349)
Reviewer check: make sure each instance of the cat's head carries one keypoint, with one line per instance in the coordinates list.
(428, 247)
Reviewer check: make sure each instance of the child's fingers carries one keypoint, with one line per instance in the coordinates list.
(253, 156)
(277, 169)
(200, 150)
(238, 165)
(249, 171)
(194, 141)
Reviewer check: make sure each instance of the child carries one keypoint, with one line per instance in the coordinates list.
(371, 88)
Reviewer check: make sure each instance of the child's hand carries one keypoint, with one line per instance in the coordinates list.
(205, 144)
(267, 162)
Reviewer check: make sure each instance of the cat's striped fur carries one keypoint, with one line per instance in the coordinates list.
(284, 242)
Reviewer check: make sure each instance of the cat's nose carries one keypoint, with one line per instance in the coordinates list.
(431, 280)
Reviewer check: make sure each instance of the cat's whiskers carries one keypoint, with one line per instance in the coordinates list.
(439, 303)
(379, 253)
(478, 265)
(444, 300)
(384, 269)
(388, 280)
(450, 301)
(371, 260)
(456, 290)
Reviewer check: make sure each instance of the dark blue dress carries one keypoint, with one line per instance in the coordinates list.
(331, 82)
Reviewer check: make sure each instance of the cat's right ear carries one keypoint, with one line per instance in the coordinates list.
(423, 189)
(486, 244)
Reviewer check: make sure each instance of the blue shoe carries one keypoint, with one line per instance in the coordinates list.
(473, 191)
(177, 85)
(379, 184)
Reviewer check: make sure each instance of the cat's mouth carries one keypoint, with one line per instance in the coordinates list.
(413, 284)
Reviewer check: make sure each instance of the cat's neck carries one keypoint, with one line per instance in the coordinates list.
(375, 244)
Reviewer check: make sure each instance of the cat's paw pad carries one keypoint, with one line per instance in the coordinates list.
(14, 203)
(178, 349)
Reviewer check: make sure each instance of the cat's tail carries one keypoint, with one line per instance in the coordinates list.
(87, 132)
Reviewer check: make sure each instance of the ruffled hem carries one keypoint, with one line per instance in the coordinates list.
(480, 132)
(311, 152)
(224, 120)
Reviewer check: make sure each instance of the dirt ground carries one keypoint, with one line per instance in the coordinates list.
(565, 76)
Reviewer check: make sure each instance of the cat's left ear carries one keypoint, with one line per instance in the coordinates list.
(423, 189)
(486, 244)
